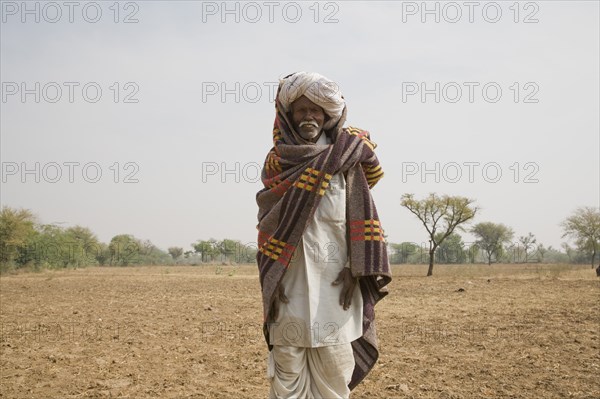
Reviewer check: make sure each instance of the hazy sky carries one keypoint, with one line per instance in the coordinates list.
(175, 108)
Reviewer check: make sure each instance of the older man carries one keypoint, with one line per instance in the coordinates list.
(322, 257)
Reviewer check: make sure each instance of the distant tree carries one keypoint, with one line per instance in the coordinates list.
(491, 237)
(568, 251)
(443, 213)
(207, 249)
(584, 227)
(227, 248)
(451, 250)
(511, 252)
(528, 242)
(150, 254)
(247, 253)
(24, 242)
(541, 250)
(472, 252)
(403, 252)
(553, 255)
(16, 228)
(124, 249)
(47, 247)
(175, 252)
(103, 254)
(83, 246)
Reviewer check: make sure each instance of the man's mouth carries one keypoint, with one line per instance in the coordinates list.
(309, 123)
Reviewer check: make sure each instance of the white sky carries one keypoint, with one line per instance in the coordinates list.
(375, 52)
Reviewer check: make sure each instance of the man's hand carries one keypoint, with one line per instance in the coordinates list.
(279, 297)
(348, 284)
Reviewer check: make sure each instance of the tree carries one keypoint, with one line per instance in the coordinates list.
(443, 213)
(452, 250)
(16, 227)
(472, 252)
(150, 254)
(246, 253)
(491, 237)
(227, 247)
(552, 255)
(47, 247)
(175, 252)
(512, 249)
(584, 227)
(103, 254)
(206, 249)
(403, 252)
(528, 241)
(124, 250)
(82, 246)
(568, 251)
(541, 250)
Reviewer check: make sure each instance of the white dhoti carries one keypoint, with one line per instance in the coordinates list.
(311, 373)
(312, 354)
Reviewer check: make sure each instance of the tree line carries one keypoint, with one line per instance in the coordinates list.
(209, 251)
(26, 243)
(441, 215)
(453, 250)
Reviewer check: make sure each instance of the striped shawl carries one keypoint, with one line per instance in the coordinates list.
(295, 176)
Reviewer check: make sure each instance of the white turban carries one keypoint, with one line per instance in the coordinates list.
(318, 89)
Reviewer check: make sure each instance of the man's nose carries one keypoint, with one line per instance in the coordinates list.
(309, 115)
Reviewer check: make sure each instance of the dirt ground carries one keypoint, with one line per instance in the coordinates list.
(514, 331)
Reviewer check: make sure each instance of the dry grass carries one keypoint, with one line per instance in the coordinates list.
(531, 331)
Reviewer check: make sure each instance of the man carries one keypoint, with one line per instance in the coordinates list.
(322, 257)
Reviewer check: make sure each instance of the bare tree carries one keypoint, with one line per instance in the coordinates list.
(528, 241)
(440, 215)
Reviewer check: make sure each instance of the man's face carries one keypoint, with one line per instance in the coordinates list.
(307, 118)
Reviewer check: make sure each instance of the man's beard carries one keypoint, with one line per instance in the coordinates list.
(308, 129)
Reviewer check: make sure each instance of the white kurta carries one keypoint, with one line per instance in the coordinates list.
(314, 317)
